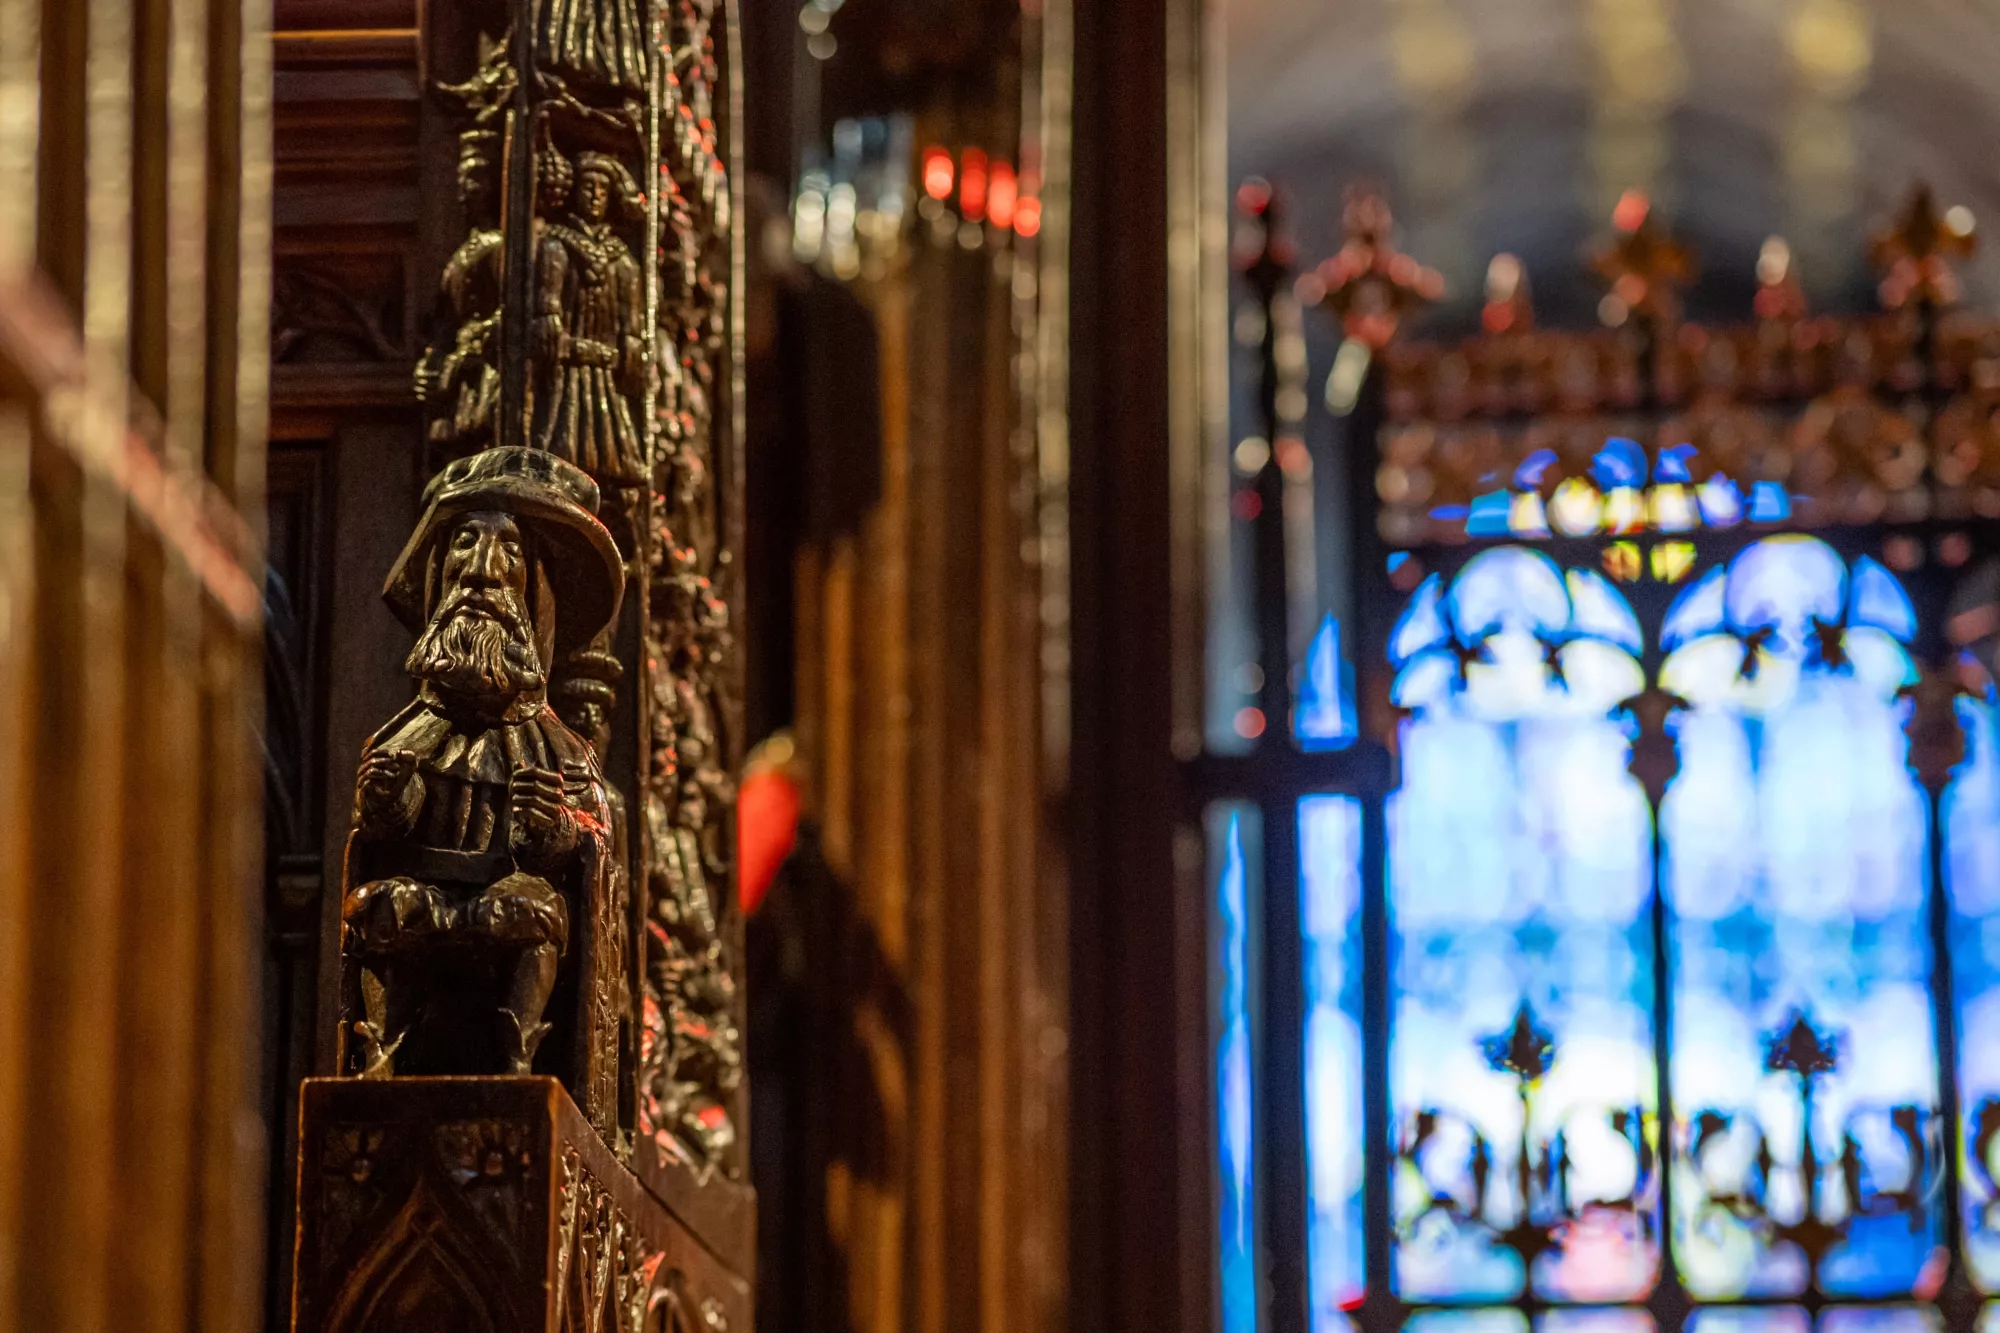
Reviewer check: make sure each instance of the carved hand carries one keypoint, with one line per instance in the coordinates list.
(388, 792)
(632, 366)
(550, 341)
(424, 380)
(543, 827)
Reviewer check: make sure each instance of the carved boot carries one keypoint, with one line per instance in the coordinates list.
(522, 1028)
(387, 1011)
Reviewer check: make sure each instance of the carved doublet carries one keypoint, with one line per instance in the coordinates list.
(590, 306)
(461, 827)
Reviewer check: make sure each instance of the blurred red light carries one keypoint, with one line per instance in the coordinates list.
(1028, 215)
(972, 185)
(937, 173)
(767, 826)
(1002, 194)
(1254, 195)
(1630, 214)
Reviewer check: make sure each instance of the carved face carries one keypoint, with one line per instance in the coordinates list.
(481, 638)
(593, 194)
(487, 552)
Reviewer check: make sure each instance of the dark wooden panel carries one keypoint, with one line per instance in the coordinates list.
(487, 1205)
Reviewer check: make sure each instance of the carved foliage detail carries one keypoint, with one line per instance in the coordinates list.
(606, 1271)
(691, 1058)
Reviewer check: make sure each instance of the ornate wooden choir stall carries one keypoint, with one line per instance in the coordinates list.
(535, 1116)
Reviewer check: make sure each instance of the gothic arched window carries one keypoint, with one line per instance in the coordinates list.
(1609, 922)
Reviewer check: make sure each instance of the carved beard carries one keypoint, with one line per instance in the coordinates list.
(478, 644)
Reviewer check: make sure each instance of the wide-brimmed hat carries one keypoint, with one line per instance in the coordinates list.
(556, 501)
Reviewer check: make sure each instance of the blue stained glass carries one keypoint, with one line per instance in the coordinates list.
(1721, 502)
(1879, 600)
(1488, 515)
(1878, 1319)
(1749, 1319)
(1329, 907)
(1326, 696)
(1673, 464)
(1601, 612)
(1528, 476)
(1594, 1321)
(1971, 815)
(1466, 1321)
(1769, 503)
(1427, 679)
(1795, 839)
(1785, 584)
(1520, 872)
(1698, 610)
(1422, 623)
(1508, 588)
(1621, 462)
(1236, 1229)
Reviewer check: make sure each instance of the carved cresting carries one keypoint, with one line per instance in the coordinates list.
(536, 907)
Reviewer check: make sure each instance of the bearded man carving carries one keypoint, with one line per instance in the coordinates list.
(481, 829)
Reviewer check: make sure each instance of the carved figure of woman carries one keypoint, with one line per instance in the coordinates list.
(460, 382)
(589, 333)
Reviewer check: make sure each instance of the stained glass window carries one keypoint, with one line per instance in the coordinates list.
(1232, 872)
(1804, 1062)
(1634, 962)
(1330, 920)
(1972, 824)
(1520, 869)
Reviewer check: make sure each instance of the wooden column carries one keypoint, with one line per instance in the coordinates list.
(131, 462)
(551, 183)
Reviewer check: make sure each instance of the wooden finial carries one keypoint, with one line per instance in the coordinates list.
(1369, 284)
(1509, 307)
(1914, 254)
(1644, 266)
(1780, 298)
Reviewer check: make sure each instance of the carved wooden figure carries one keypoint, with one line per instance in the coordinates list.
(591, 342)
(537, 881)
(460, 383)
(480, 860)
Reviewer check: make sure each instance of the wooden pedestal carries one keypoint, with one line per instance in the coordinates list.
(486, 1205)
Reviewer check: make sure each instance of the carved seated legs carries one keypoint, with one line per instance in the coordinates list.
(397, 932)
(524, 911)
(387, 921)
